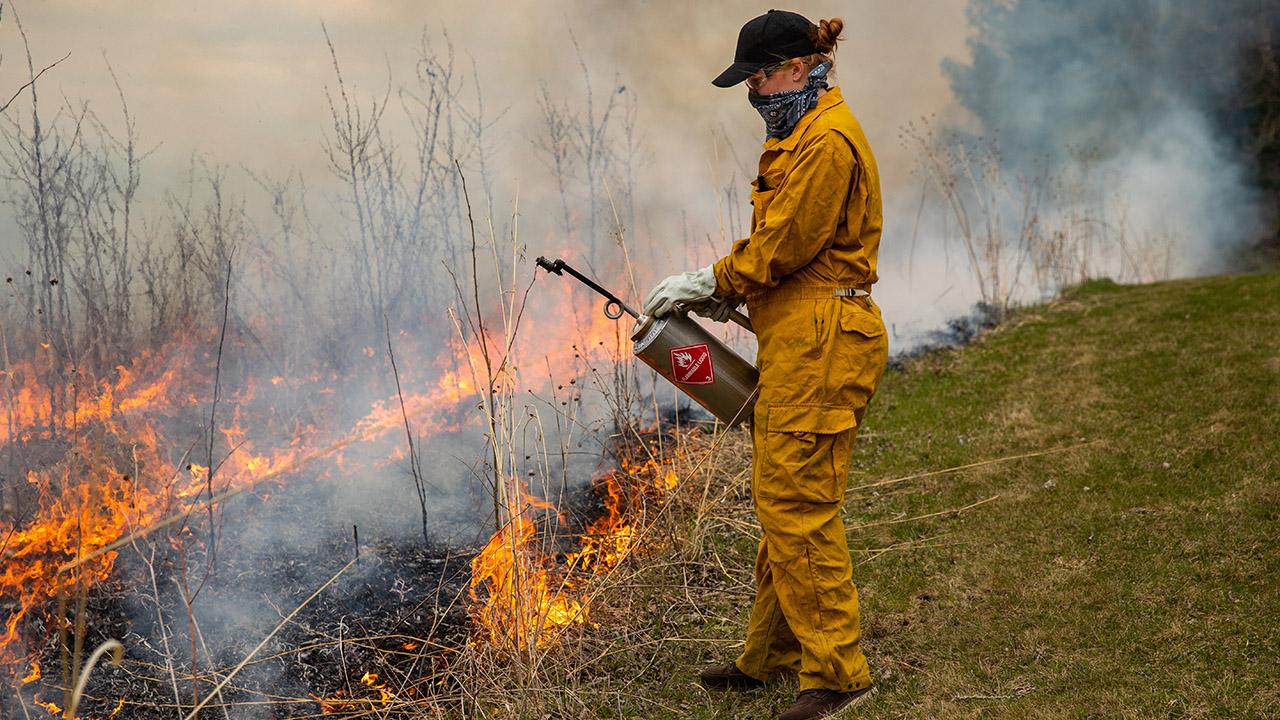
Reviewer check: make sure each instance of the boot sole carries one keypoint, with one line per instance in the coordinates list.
(853, 702)
(858, 699)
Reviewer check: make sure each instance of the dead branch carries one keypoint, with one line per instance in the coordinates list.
(953, 511)
(32, 81)
(958, 468)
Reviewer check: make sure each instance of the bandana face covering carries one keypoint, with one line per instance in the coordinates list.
(781, 111)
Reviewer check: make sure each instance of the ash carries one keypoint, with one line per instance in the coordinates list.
(389, 614)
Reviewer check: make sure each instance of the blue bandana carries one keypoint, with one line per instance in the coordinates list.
(781, 111)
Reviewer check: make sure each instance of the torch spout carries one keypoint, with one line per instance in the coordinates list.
(613, 308)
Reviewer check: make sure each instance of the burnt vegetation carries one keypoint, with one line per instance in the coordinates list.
(161, 356)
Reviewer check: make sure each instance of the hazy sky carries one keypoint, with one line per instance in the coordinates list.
(242, 84)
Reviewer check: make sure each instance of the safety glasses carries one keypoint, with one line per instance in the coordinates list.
(763, 74)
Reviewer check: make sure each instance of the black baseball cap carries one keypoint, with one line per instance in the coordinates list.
(771, 38)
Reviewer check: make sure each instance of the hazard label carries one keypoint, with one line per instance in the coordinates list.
(691, 365)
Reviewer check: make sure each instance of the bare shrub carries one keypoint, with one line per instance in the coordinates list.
(1032, 235)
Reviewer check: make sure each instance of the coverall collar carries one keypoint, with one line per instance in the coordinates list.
(829, 100)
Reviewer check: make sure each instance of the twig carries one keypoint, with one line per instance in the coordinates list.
(913, 667)
(32, 81)
(117, 653)
(904, 547)
(216, 530)
(1019, 692)
(953, 511)
(966, 467)
(415, 462)
(877, 552)
(184, 585)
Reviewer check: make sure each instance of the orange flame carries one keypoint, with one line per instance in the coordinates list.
(528, 599)
(111, 473)
(52, 708)
(106, 467)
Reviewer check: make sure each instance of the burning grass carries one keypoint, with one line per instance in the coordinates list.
(197, 508)
(118, 532)
(645, 573)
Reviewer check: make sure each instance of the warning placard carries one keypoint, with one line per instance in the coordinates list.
(691, 365)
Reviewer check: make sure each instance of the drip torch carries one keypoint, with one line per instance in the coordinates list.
(684, 353)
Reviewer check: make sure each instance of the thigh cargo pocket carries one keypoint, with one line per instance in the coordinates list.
(804, 453)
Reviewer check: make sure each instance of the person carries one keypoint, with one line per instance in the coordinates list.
(805, 273)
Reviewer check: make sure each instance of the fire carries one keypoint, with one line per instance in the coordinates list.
(103, 469)
(371, 679)
(108, 457)
(526, 603)
(525, 598)
(114, 474)
(49, 706)
(338, 704)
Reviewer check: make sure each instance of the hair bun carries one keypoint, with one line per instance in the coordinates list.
(828, 34)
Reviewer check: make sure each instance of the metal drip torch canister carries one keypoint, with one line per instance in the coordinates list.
(684, 353)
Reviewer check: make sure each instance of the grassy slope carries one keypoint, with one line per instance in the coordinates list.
(1132, 576)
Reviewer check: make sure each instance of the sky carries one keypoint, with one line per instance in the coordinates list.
(243, 85)
(244, 82)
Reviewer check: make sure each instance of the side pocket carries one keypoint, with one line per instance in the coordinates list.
(856, 319)
(806, 453)
(860, 353)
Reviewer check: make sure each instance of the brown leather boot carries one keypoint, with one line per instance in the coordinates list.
(824, 703)
(727, 677)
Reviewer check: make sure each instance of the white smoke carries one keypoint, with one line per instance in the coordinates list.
(1144, 91)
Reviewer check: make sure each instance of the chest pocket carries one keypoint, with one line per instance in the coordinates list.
(763, 188)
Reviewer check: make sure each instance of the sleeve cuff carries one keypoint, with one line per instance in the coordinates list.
(721, 270)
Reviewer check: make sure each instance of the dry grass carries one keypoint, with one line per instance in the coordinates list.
(1124, 575)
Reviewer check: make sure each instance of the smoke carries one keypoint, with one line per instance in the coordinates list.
(1146, 91)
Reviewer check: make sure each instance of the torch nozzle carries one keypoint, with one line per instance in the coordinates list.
(613, 308)
(551, 267)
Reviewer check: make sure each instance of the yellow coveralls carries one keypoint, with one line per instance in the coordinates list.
(815, 228)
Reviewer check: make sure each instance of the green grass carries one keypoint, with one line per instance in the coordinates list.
(1131, 575)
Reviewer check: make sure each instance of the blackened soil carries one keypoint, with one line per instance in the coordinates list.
(393, 615)
(399, 611)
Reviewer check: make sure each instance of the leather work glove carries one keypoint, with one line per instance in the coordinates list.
(691, 287)
(717, 309)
